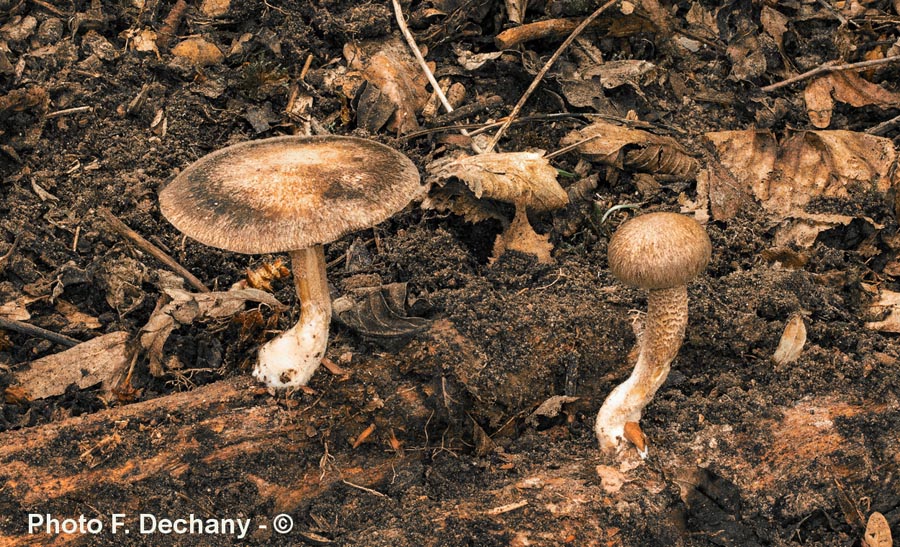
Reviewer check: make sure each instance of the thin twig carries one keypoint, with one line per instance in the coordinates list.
(364, 489)
(540, 75)
(468, 110)
(506, 508)
(884, 126)
(398, 13)
(571, 147)
(862, 65)
(306, 65)
(366, 433)
(145, 245)
(69, 111)
(31, 330)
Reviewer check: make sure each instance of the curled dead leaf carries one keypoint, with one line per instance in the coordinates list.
(525, 179)
(800, 229)
(378, 312)
(846, 87)
(510, 177)
(389, 67)
(624, 147)
(549, 408)
(785, 176)
(878, 532)
(792, 341)
(178, 307)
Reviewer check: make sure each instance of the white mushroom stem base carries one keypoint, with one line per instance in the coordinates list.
(290, 359)
(659, 344)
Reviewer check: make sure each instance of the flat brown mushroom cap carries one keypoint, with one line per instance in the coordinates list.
(288, 193)
(659, 251)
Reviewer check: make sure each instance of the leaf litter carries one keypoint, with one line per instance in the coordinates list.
(803, 222)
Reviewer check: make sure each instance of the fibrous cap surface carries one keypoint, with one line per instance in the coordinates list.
(659, 251)
(288, 193)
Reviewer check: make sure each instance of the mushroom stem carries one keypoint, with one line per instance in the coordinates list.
(664, 326)
(290, 359)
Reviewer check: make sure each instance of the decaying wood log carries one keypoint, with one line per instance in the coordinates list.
(167, 455)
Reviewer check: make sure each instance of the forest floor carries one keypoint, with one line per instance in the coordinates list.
(429, 435)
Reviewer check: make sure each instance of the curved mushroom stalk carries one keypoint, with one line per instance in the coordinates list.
(667, 314)
(290, 359)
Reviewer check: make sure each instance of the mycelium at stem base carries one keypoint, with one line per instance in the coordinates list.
(665, 323)
(290, 359)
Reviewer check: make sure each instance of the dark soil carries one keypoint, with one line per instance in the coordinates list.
(742, 451)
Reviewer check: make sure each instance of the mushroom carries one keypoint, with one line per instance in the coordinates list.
(291, 194)
(660, 252)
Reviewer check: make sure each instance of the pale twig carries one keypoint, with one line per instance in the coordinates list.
(540, 75)
(69, 111)
(364, 489)
(506, 508)
(862, 65)
(411, 41)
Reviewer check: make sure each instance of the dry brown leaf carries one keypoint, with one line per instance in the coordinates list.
(878, 532)
(17, 309)
(456, 198)
(632, 148)
(141, 40)
(719, 188)
(512, 177)
(775, 24)
(179, 307)
(75, 317)
(800, 229)
(473, 61)
(846, 87)
(748, 60)
(198, 52)
(390, 67)
(525, 179)
(792, 341)
(515, 11)
(215, 8)
(702, 22)
(550, 408)
(614, 74)
(806, 165)
(611, 479)
(101, 360)
(819, 102)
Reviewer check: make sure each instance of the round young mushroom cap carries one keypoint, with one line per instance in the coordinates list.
(288, 193)
(659, 251)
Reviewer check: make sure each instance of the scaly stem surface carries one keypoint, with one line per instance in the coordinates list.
(290, 359)
(667, 313)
